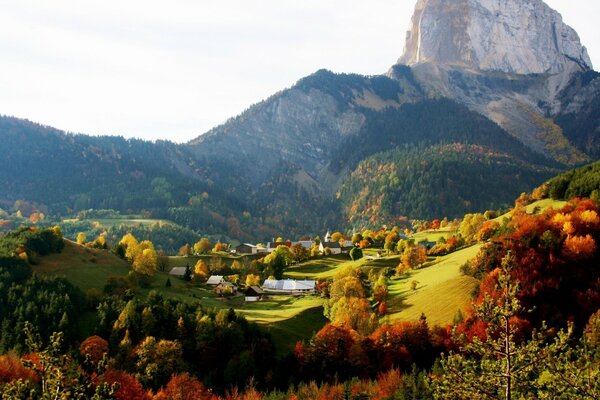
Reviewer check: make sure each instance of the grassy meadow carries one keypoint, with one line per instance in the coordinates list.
(441, 291)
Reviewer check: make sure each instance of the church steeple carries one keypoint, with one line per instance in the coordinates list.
(328, 237)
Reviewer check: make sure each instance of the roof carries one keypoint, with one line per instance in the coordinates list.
(331, 245)
(273, 245)
(254, 291)
(288, 285)
(177, 271)
(225, 283)
(307, 244)
(252, 246)
(214, 280)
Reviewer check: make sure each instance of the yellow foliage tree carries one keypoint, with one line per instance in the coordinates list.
(130, 243)
(201, 270)
(252, 280)
(145, 263)
(81, 238)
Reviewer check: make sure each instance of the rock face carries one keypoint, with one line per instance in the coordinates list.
(513, 36)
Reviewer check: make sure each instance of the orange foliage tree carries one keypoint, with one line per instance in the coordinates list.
(184, 387)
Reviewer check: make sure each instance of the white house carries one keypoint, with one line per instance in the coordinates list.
(289, 286)
(214, 280)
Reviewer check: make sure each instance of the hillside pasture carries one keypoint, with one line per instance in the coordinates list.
(442, 290)
(84, 267)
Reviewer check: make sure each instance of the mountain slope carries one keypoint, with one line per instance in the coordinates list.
(277, 168)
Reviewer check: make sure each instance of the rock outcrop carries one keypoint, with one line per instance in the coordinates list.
(513, 36)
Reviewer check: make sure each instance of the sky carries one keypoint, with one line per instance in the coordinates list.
(174, 69)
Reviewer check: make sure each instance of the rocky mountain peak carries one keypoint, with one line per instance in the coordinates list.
(513, 36)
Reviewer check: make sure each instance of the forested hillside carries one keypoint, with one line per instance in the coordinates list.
(428, 182)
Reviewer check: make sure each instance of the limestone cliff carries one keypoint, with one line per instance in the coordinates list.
(514, 36)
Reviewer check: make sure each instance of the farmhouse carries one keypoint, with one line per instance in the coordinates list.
(178, 272)
(225, 288)
(289, 286)
(214, 280)
(254, 293)
(272, 246)
(333, 246)
(246, 248)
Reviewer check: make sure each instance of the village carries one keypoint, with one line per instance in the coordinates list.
(222, 287)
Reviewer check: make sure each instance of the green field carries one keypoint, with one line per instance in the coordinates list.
(433, 235)
(441, 292)
(84, 267)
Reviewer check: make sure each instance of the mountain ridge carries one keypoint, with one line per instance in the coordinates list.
(278, 167)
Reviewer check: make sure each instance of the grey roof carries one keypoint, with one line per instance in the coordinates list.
(177, 271)
(253, 246)
(274, 245)
(214, 280)
(307, 244)
(332, 245)
(288, 285)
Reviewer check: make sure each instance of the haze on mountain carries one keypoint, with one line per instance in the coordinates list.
(489, 99)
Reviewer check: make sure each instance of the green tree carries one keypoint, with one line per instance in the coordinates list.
(356, 253)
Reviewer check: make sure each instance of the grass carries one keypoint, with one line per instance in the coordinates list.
(434, 235)
(441, 292)
(84, 267)
(537, 207)
(301, 326)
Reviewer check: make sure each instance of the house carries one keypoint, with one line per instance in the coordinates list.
(333, 246)
(289, 286)
(178, 272)
(307, 244)
(254, 293)
(225, 288)
(214, 280)
(246, 248)
(347, 244)
(272, 246)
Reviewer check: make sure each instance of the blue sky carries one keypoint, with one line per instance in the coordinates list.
(174, 69)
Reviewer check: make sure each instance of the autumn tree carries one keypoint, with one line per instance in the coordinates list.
(201, 270)
(145, 263)
(156, 360)
(202, 246)
(470, 225)
(93, 349)
(497, 366)
(184, 387)
(81, 238)
(347, 305)
(336, 236)
(219, 247)
(252, 280)
(414, 256)
(185, 250)
(130, 244)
